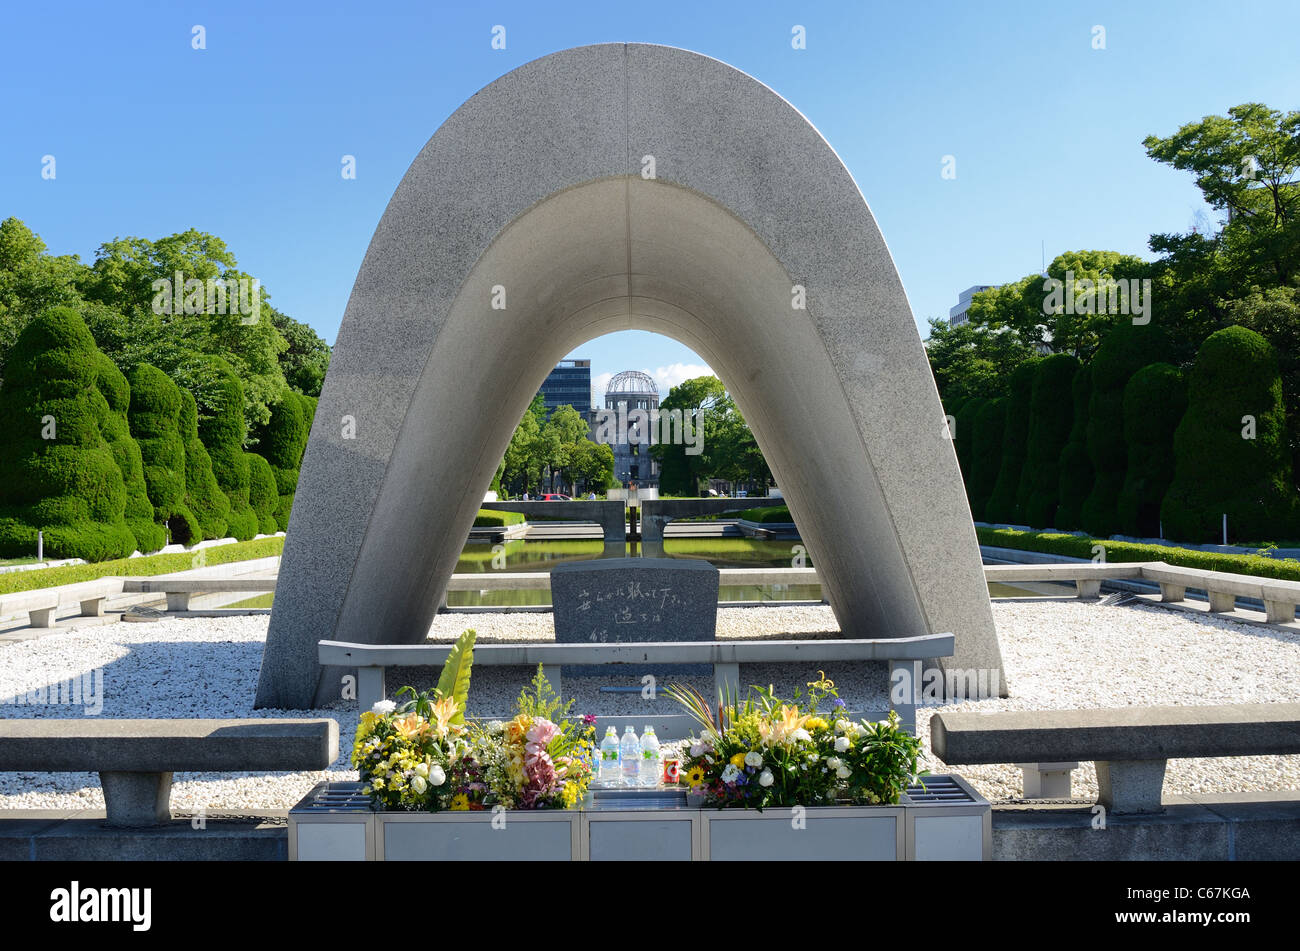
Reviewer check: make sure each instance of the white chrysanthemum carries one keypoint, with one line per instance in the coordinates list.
(843, 772)
(842, 744)
(801, 735)
(765, 778)
(730, 772)
(834, 762)
(753, 758)
(383, 707)
(842, 726)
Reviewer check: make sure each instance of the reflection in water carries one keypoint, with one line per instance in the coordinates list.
(523, 555)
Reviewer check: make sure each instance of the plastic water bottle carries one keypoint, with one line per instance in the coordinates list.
(629, 755)
(608, 762)
(651, 761)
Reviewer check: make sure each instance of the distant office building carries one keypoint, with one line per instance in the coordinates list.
(627, 391)
(958, 315)
(569, 384)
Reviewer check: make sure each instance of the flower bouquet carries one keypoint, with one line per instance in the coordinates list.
(766, 751)
(422, 756)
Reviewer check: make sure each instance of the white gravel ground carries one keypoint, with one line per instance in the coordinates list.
(1058, 655)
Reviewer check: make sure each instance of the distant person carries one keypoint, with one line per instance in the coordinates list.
(591, 495)
(525, 495)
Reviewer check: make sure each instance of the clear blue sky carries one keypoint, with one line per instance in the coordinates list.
(244, 139)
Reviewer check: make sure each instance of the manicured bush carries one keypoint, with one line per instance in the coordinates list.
(282, 441)
(16, 581)
(57, 470)
(986, 454)
(1217, 469)
(964, 437)
(1076, 475)
(203, 496)
(139, 513)
(765, 513)
(1051, 416)
(262, 495)
(1002, 505)
(1081, 546)
(155, 420)
(223, 434)
(493, 518)
(1154, 401)
(1126, 349)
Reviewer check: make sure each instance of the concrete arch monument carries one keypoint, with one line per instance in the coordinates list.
(606, 188)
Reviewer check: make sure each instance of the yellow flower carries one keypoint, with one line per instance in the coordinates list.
(695, 775)
(411, 726)
(816, 723)
(460, 803)
(738, 761)
(443, 711)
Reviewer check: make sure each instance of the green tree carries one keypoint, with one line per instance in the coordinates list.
(971, 361)
(561, 438)
(262, 494)
(986, 455)
(1001, 505)
(1126, 349)
(282, 443)
(306, 357)
(31, 281)
(1154, 402)
(149, 534)
(223, 434)
(1230, 453)
(203, 495)
(1274, 314)
(1051, 417)
(155, 421)
(57, 471)
(523, 461)
(963, 436)
(1076, 472)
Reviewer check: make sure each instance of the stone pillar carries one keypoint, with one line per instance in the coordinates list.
(136, 800)
(1131, 785)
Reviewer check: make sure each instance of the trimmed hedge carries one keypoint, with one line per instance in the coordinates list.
(964, 438)
(1154, 401)
(1216, 469)
(139, 512)
(1002, 504)
(223, 434)
(13, 582)
(282, 441)
(1126, 349)
(493, 518)
(155, 420)
(1286, 569)
(986, 454)
(1051, 416)
(1076, 475)
(70, 485)
(766, 513)
(203, 496)
(262, 495)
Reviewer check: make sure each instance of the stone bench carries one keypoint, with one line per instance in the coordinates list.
(1129, 745)
(1087, 576)
(135, 759)
(179, 591)
(725, 656)
(42, 604)
(1223, 588)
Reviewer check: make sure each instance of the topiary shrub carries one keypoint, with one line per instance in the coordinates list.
(1051, 418)
(223, 434)
(1075, 468)
(139, 513)
(986, 454)
(282, 442)
(1001, 506)
(1154, 401)
(1216, 469)
(57, 471)
(155, 420)
(203, 496)
(964, 437)
(1126, 349)
(262, 495)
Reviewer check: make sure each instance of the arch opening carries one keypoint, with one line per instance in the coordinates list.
(837, 393)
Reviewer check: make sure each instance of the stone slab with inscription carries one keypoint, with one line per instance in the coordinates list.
(619, 600)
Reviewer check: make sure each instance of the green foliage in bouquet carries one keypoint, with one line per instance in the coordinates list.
(764, 751)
